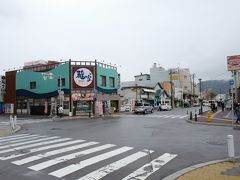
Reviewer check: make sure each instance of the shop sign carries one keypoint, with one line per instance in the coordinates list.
(233, 63)
(83, 77)
(83, 96)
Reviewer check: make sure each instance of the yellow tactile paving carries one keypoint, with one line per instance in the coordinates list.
(212, 172)
(3, 133)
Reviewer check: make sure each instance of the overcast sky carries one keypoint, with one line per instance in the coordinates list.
(133, 34)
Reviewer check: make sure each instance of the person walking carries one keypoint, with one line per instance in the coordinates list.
(237, 113)
(222, 104)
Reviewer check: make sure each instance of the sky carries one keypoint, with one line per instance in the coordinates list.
(133, 34)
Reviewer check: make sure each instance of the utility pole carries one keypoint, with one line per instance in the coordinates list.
(200, 93)
(193, 88)
(171, 88)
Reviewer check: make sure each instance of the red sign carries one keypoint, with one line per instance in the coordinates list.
(233, 63)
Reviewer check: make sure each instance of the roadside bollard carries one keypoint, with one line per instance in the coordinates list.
(231, 153)
(195, 116)
(209, 116)
(190, 115)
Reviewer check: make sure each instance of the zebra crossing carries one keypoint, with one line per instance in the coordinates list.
(49, 155)
(172, 116)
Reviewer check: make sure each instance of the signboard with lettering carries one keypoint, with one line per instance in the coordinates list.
(233, 63)
(83, 77)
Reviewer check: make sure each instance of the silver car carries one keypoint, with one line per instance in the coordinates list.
(143, 108)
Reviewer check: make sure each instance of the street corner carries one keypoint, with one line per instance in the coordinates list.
(219, 171)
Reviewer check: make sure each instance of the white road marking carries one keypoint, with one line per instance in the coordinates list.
(58, 160)
(42, 148)
(51, 153)
(30, 145)
(75, 167)
(41, 138)
(148, 169)
(104, 171)
(21, 140)
(15, 138)
(182, 117)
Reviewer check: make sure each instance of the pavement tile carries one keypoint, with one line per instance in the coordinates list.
(219, 171)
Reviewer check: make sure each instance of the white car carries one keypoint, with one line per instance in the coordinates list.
(166, 107)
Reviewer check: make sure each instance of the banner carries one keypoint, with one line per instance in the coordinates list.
(233, 63)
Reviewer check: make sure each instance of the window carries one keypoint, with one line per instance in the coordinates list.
(33, 85)
(62, 82)
(112, 84)
(103, 81)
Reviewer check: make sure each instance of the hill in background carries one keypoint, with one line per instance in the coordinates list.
(218, 86)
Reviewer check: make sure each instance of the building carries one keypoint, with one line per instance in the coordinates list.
(2, 92)
(80, 87)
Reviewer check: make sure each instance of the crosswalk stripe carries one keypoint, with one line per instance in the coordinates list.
(148, 169)
(20, 140)
(51, 153)
(75, 167)
(42, 148)
(58, 160)
(22, 143)
(15, 138)
(12, 136)
(183, 116)
(104, 171)
(31, 145)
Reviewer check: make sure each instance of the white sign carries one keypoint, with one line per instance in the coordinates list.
(47, 76)
(83, 77)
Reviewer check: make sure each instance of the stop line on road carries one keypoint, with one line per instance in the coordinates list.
(36, 155)
(172, 116)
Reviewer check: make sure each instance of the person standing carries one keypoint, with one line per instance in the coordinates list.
(60, 111)
(237, 113)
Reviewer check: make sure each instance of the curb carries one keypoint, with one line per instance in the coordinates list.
(212, 124)
(194, 167)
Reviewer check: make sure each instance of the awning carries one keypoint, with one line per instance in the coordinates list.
(149, 90)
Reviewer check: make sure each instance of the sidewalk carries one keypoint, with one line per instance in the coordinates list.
(219, 118)
(214, 170)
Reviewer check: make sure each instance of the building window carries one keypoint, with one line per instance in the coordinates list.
(33, 85)
(185, 77)
(103, 81)
(62, 80)
(112, 84)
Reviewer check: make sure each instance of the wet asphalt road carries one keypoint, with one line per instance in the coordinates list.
(161, 132)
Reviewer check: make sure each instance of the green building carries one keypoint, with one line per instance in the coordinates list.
(80, 87)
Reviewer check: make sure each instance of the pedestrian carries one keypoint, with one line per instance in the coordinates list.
(237, 113)
(60, 111)
(222, 104)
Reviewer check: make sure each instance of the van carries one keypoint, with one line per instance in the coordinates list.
(142, 107)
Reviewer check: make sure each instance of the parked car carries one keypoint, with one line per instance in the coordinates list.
(195, 104)
(166, 107)
(122, 108)
(125, 108)
(144, 108)
(228, 105)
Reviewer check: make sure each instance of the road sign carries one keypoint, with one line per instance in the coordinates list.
(231, 82)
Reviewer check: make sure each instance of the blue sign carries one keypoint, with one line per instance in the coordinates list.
(231, 82)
